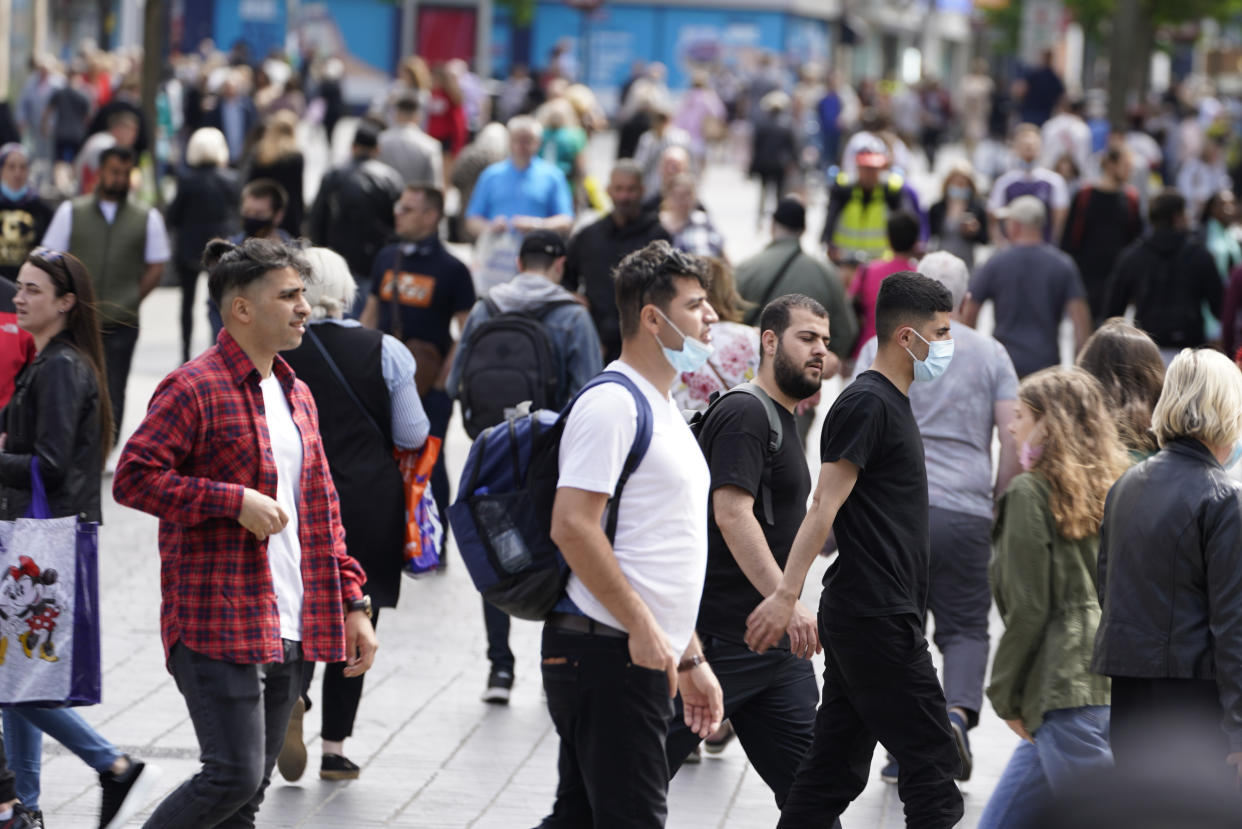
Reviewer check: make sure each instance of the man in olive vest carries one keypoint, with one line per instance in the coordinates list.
(124, 245)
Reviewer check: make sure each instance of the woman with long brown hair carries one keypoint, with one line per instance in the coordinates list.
(1128, 366)
(60, 415)
(1043, 574)
(276, 156)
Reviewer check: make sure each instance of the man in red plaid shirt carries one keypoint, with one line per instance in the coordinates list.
(254, 573)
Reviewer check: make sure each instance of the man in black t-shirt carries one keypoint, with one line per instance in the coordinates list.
(770, 698)
(879, 681)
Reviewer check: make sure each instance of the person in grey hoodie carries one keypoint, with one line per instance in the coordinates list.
(579, 357)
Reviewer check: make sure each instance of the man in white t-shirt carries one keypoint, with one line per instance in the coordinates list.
(612, 670)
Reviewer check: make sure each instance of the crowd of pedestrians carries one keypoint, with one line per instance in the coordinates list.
(1051, 475)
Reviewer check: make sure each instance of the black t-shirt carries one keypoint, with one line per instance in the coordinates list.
(735, 440)
(433, 285)
(882, 528)
(70, 107)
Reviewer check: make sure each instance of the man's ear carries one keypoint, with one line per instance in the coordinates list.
(769, 342)
(240, 307)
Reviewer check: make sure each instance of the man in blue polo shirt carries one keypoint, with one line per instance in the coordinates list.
(523, 192)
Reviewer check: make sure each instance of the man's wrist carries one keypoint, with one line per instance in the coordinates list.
(362, 605)
(691, 662)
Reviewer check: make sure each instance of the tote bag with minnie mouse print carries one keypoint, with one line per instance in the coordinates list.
(49, 607)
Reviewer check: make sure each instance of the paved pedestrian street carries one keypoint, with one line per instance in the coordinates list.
(432, 754)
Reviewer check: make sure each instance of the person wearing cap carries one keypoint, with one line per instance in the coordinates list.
(774, 147)
(1033, 285)
(541, 264)
(597, 248)
(1029, 179)
(353, 211)
(859, 206)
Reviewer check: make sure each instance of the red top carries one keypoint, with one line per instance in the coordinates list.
(203, 440)
(17, 350)
(446, 121)
(866, 290)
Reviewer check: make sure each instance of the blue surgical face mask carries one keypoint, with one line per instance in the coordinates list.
(959, 192)
(939, 355)
(693, 353)
(1234, 456)
(14, 195)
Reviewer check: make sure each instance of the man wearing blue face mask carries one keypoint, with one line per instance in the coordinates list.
(879, 681)
(612, 668)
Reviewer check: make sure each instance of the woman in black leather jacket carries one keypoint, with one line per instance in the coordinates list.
(1170, 581)
(56, 412)
(58, 415)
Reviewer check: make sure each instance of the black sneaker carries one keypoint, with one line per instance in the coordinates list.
(336, 767)
(717, 742)
(890, 771)
(125, 794)
(499, 685)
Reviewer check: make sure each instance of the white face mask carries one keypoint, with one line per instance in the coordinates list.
(939, 355)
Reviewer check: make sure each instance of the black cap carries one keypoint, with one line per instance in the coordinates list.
(790, 213)
(366, 135)
(547, 242)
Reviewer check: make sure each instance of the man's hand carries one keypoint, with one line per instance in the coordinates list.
(767, 623)
(525, 224)
(803, 633)
(1018, 728)
(360, 643)
(261, 515)
(649, 648)
(500, 223)
(702, 700)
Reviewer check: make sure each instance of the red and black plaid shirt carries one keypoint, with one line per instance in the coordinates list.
(203, 440)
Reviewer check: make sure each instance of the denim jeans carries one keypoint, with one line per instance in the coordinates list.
(23, 743)
(240, 713)
(1071, 743)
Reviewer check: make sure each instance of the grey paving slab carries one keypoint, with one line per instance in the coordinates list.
(432, 754)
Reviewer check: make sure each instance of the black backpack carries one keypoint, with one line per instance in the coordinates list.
(511, 360)
(775, 436)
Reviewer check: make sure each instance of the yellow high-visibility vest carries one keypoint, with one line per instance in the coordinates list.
(863, 227)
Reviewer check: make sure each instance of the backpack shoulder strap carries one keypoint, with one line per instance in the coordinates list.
(1080, 214)
(642, 437)
(776, 434)
(776, 280)
(340, 377)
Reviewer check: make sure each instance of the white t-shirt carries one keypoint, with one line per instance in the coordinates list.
(59, 229)
(661, 541)
(284, 550)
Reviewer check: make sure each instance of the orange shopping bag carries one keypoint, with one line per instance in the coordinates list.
(424, 534)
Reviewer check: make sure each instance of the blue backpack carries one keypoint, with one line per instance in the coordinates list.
(502, 517)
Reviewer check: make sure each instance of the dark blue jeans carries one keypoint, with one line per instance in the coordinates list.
(612, 718)
(497, 623)
(240, 713)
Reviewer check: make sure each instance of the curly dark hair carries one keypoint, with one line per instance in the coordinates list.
(646, 277)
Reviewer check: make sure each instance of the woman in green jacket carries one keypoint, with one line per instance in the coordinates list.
(1044, 582)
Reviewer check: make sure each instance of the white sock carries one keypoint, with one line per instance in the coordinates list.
(6, 814)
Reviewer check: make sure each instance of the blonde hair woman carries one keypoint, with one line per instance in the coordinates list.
(1170, 577)
(277, 156)
(1043, 576)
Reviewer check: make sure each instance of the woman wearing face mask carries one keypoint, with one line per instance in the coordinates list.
(204, 208)
(1170, 575)
(959, 221)
(1043, 576)
(23, 215)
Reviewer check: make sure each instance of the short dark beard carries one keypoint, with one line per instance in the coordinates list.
(791, 378)
(113, 195)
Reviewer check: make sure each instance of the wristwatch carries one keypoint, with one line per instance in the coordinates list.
(363, 604)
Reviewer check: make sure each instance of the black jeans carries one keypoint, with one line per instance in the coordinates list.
(612, 718)
(770, 699)
(959, 599)
(118, 345)
(341, 695)
(240, 713)
(879, 683)
(439, 408)
(497, 623)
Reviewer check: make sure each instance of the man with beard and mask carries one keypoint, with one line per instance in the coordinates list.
(124, 245)
(758, 499)
(956, 417)
(879, 680)
(597, 248)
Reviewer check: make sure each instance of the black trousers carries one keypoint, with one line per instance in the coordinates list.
(498, 651)
(612, 717)
(341, 695)
(188, 275)
(879, 684)
(240, 713)
(770, 699)
(439, 408)
(118, 344)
